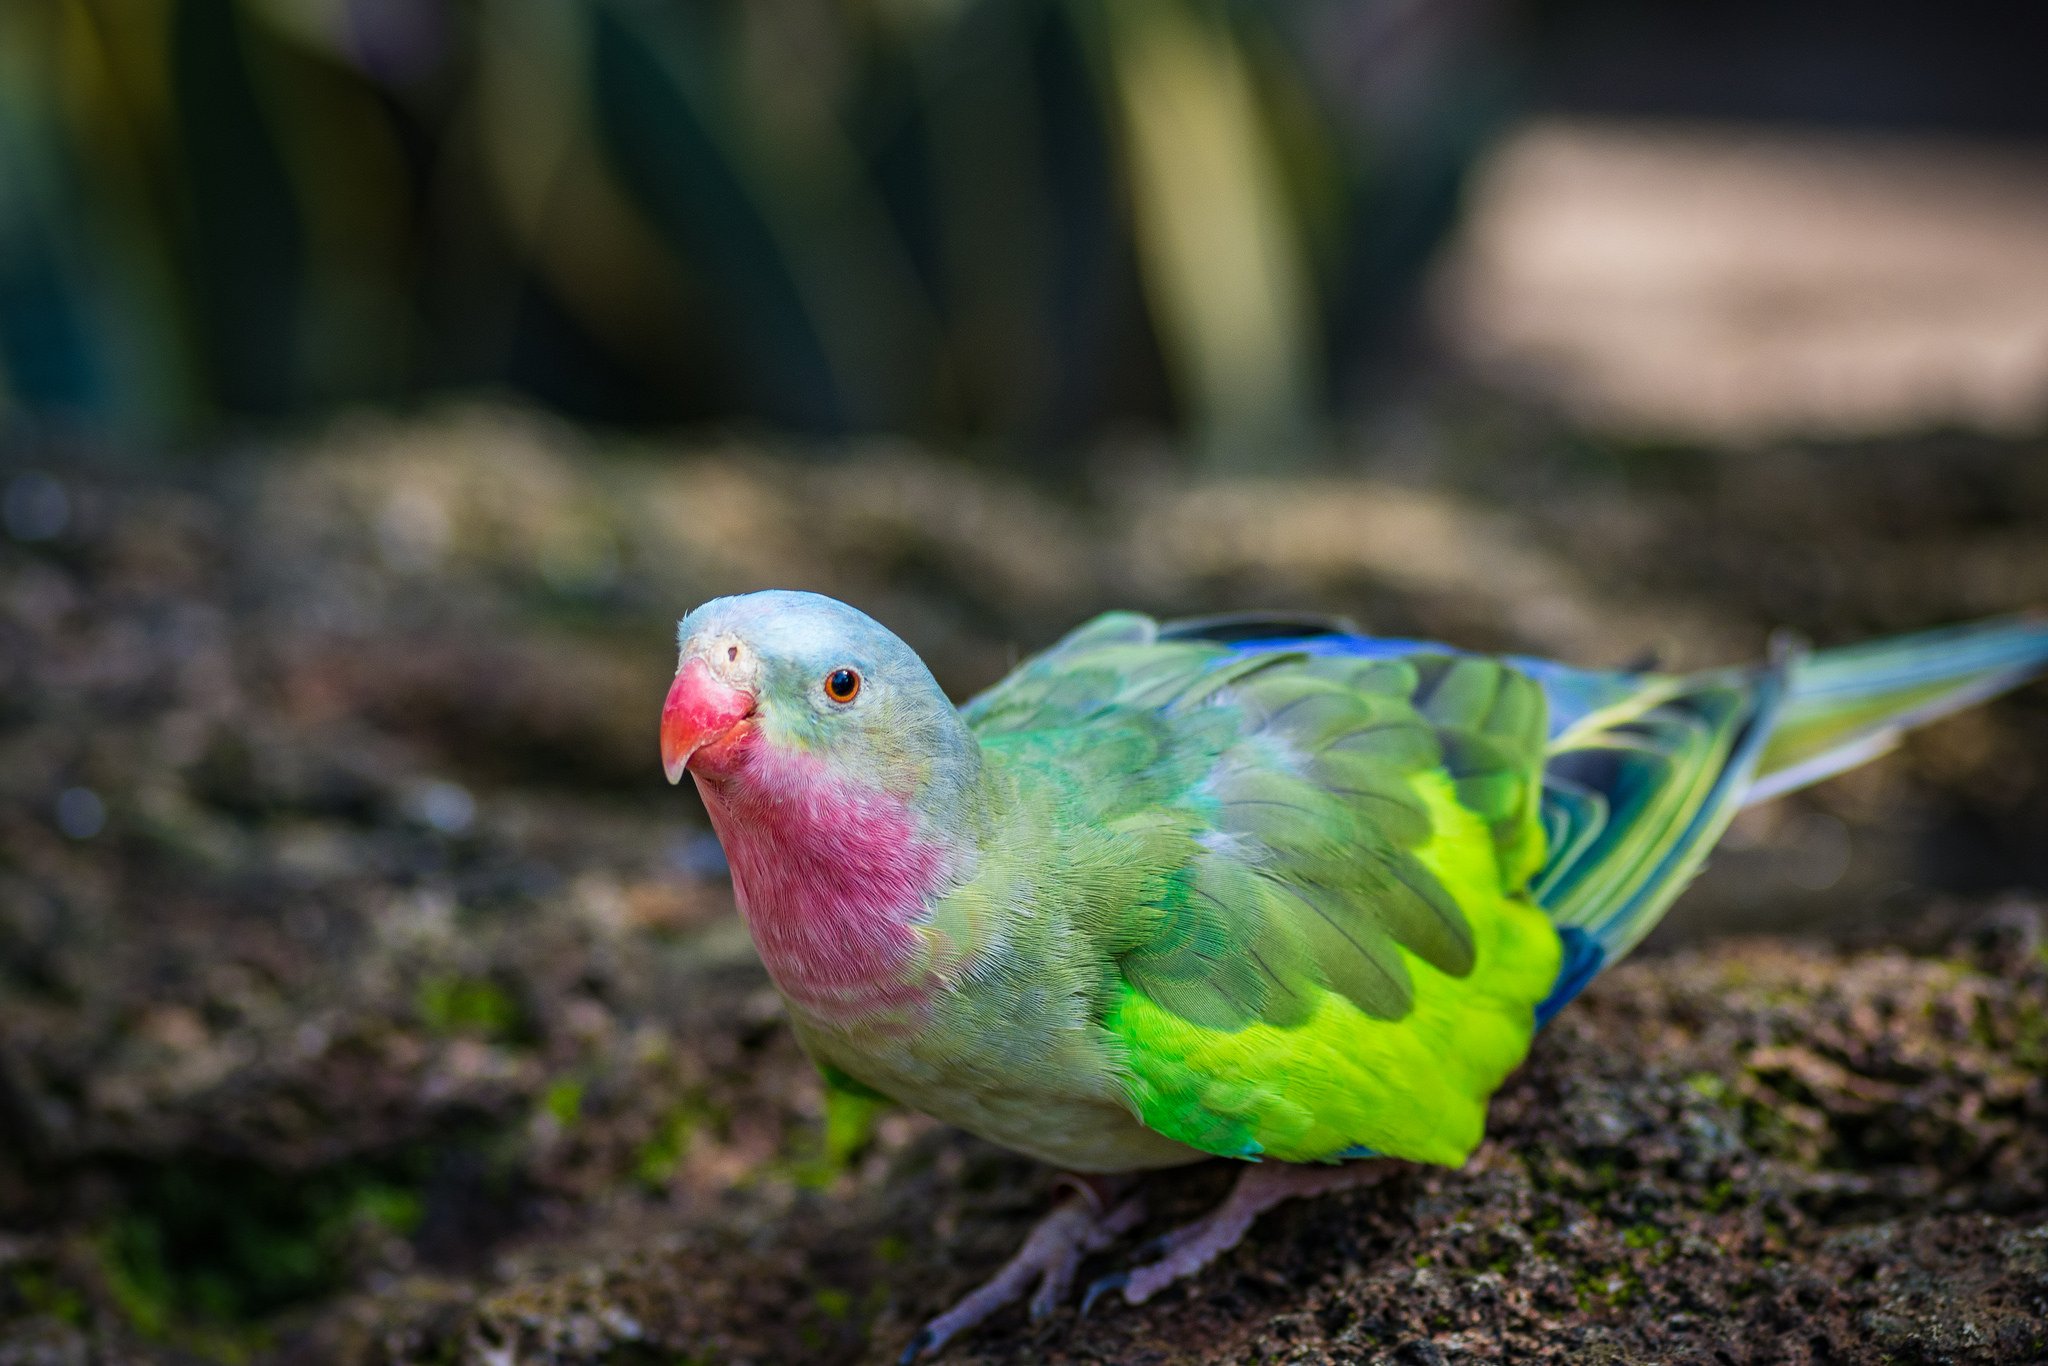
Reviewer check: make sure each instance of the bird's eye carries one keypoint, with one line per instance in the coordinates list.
(843, 685)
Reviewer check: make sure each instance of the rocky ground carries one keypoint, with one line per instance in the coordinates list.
(365, 996)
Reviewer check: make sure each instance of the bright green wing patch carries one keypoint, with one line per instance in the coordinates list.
(1339, 1079)
(1329, 948)
(1490, 720)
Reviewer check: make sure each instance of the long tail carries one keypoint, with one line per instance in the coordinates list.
(1848, 706)
(1645, 772)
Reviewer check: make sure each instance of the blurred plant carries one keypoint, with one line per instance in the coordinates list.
(207, 1248)
(1008, 218)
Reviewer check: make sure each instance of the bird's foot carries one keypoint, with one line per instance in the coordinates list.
(1085, 1221)
(1259, 1187)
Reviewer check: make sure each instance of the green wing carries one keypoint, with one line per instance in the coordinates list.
(1331, 888)
(1329, 948)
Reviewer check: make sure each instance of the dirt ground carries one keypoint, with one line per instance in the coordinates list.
(378, 1002)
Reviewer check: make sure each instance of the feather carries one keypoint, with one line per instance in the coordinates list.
(1249, 886)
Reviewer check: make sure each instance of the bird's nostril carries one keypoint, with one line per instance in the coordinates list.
(732, 652)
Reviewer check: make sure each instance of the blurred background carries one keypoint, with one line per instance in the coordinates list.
(1015, 225)
(381, 379)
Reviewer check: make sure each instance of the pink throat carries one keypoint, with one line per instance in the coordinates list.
(829, 876)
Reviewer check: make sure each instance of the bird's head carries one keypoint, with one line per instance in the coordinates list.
(776, 682)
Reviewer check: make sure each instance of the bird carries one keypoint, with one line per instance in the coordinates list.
(1258, 887)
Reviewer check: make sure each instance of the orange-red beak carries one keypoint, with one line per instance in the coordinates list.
(701, 710)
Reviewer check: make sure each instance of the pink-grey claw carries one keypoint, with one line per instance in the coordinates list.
(1049, 1258)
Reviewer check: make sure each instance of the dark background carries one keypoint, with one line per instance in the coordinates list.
(821, 217)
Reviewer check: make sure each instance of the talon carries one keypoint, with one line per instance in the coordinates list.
(1049, 1258)
(1051, 1291)
(1114, 1281)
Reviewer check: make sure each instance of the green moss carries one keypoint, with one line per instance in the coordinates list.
(42, 1293)
(1643, 1235)
(468, 1005)
(1545, 1222)
(656, 1161)
(1602, 1289)
(849, 1123)
(564, 1100)
(131, 1257)
(203, 1250)
(2030, 1037)
(391, 1208)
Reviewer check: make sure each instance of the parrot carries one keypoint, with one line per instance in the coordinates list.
(1258, 887)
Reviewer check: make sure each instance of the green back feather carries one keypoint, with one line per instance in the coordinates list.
(1333, 949)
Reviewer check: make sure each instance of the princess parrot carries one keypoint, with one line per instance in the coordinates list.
(1255, 887)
